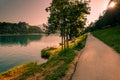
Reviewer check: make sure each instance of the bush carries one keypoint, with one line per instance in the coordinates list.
(45, 53)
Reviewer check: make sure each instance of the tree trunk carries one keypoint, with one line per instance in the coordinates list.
(64, 39)
(67, 41)
(62, 42)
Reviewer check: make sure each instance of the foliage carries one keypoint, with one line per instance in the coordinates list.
(18, 28)
(30, 69)
(34, 29)
(45, 53)
(110, 18)
(77, 44)
(62, 62)
(68, 17)
(57, 66)
(54, 69)
(80, 44)
(110, 36)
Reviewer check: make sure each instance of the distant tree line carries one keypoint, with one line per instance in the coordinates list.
(18, 28)
(110, 18)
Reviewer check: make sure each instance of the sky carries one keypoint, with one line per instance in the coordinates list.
(30, 11)
(33, 11)
(97, 8)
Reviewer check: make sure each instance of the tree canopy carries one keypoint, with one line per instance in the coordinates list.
(68, 17)
(18, 28)
(110, 17)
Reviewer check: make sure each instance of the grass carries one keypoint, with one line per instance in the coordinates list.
(76, 44)
(57, 66)
(54, 69)
(23, 71)
(110, 36)
(80, 44)
(49, 52)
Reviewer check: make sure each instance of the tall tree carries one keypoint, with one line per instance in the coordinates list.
(67, 16)
(110, 17)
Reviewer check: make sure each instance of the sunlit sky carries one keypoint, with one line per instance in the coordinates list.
(33, 11)
(97, 8)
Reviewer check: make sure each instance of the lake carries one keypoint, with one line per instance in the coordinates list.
(20, 49)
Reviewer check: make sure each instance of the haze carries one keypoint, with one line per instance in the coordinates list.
(33, 11)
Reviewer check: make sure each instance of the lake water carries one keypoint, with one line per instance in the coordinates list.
(16, 50)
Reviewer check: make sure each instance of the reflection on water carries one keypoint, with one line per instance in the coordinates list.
(18, 39)
(16, 50)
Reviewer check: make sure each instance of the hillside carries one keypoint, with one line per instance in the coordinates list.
(18, 28)
(110, 36)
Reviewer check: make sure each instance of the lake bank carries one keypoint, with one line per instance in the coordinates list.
(56, 67)
(17, 50)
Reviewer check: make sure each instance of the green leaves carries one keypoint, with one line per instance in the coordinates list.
(67, 16)
(65, 13)
(110, 18)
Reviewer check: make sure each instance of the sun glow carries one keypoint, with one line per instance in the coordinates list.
(112, 4)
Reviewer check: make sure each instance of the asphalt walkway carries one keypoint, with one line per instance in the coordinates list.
(97, 62)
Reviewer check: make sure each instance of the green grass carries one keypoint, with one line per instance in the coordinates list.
(23, 71)
(76, 45)
(57, 66)
(80, 44)
(110, 36)
(54, 69)
(46, 54)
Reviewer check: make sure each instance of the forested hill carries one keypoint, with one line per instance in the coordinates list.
(18, 28)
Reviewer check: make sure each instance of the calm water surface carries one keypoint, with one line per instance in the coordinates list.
(16, 50)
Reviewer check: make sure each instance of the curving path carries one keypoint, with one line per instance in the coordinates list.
(97, 62)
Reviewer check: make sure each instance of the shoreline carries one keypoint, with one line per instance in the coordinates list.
(30, 70)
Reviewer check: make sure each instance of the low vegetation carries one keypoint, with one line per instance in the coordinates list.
(57, 66)
(54, 69)
(111, 36)
(22, 70)
(51, 51)
(110, 17)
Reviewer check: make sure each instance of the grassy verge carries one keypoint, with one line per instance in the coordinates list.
(21, 71)
(77, 44)
(57, 66)
(49, 52)
(54, 69)
(110, 36)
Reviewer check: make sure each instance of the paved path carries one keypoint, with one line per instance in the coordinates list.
(97, 62)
